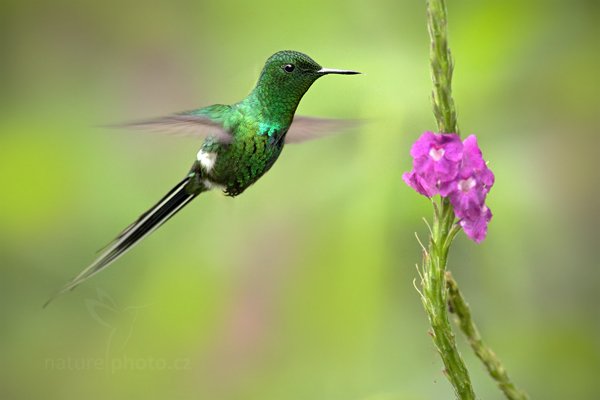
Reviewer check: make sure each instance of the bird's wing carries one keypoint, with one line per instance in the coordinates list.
(186, 124)
(309, 128)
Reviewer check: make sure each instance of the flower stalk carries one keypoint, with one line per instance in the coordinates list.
(442, 67)
(461, 309)
(455, 170)
(443, 230)
(434, 296)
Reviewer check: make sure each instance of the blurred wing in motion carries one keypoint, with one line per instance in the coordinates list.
(193, 124)
(185, 124)
(309, 128)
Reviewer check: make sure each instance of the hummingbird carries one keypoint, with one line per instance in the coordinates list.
(241, 143)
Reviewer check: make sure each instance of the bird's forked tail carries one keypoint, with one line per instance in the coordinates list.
(168, 206)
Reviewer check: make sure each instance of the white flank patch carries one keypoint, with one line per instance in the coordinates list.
(207, 160)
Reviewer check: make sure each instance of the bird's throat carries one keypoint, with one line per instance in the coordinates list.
(275, 107)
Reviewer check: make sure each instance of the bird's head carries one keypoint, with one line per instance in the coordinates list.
(288, 74)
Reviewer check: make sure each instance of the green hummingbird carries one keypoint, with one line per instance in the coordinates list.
(242, 141)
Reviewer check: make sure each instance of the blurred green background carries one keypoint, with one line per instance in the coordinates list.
(302, 287)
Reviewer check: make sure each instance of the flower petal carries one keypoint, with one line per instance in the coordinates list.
(423, 144)
(476, 228)
(472, 157)
(419, 184)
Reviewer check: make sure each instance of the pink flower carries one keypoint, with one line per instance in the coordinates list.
(476, 227)
(444, 165)
(420, 184)
(474, 180)
(436, 160)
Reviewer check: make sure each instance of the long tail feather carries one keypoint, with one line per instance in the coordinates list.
(147, 223)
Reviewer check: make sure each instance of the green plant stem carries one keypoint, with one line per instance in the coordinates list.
(439, 289)
(435, 299)
(460, 308)
(442, 67)
(443, 231)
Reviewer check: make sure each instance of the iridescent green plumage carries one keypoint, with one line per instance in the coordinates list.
(242, 141)
(258, 123)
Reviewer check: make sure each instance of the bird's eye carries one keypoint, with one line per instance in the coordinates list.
(288, 67)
